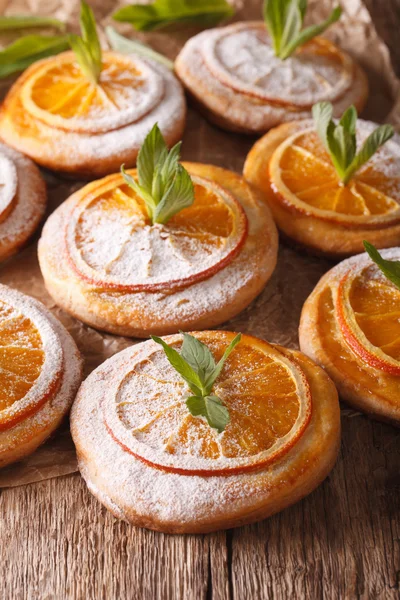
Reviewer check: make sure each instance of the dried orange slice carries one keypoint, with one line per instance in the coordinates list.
(266, 392)
(61, 96)
(241, 57)
(8, 186)
(303, 178)
(112, 245)
(368, 308)
(31, 358)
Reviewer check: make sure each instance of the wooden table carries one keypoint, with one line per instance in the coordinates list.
(343, 541)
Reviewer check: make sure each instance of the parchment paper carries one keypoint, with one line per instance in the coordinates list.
(274, 315)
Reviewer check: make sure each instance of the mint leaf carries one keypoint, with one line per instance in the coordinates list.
(340, 139)
(373, 142)
(198, 356)
(309, 33)
(196, 406)
(197, 367)
(284, 20)
(87, 47)
(217, 414)
(15, 22)
(216, 372)
(19, 55)
(178, 196)
(390, 268)
(119, 43)
(163, 13)
(164, 185)
(180, 365)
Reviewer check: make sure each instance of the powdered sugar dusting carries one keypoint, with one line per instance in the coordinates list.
(242, 56)
(114, 244)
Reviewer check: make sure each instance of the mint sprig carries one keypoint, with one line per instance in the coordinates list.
(284, 20)
(26, 50)
(164, 13)
(390, 268)
(197, 367)
(87, 46)
(340, 139)
(164, 185)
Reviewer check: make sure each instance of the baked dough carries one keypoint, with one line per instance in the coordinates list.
(235, 79)
(22, 200)
(103, 263)
(313, 209)
(40, 372)
(348, 326)
(94, 139)
(158, 467)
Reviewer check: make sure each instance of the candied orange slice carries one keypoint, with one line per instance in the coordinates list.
(59, 94)
(8, 186)
(241, 57)
(265, 390)
(112, 244)
(31, 359)
(368, 306)
(303, 177)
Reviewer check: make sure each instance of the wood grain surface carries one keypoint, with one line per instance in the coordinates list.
(343, 541)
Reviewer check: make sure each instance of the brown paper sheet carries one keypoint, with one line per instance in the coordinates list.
(274, 315)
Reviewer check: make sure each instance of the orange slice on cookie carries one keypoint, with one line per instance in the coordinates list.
(59, 94)
(265, 390)
(368, 306)
(40, 371)
(311, 206)
(112, 244)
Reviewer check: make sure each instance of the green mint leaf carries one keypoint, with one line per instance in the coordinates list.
(153, 152)
(198, 356)
(310, 32)
(217, 370)
(349, 120)
(181, 366)
(163, 13)
(165, 186)
(178, 196)
(87, 47)
(119, 43)
(274, 12)
(382, 134)
(340, 139)
(19, 55)
(390, 268)
(292, 27)
(217, 414)
(196, 406)
(15, 22)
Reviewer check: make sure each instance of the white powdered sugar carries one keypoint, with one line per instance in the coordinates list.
(112, 244)
(128, 89)
(242, 56)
